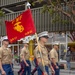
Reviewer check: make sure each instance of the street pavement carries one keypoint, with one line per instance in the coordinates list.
(62, 72)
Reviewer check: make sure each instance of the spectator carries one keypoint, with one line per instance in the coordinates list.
(68, 58)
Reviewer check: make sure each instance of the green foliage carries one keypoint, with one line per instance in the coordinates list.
(51, 11)
(58, 19)
(1, 13)
(45, 8)
(29, 0)
(33, 4)
(55, 7)
(48, 9)
(40, 1)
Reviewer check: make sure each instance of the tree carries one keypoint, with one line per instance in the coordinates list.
(72, 36)
(1, 16)
(1, 13)
(1, 21)
(57, 6)
(66, 7)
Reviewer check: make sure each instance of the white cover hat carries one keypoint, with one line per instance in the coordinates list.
(45, 33)
(56, 43)
(4, 38)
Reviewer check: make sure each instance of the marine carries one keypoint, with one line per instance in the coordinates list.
(25, 62)
(54, 58)
(42, 69)
(5, 58)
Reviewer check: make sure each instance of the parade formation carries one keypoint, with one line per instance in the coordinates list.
(37, 60)
(43, 60)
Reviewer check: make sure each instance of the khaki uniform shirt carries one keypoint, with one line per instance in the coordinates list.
(53, 54)
(25, 52)
(44, 54)
(5, 55)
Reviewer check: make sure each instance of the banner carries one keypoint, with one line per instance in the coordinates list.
(20, 27)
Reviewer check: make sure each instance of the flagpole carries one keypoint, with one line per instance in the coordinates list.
(28, 7)
(1, 40)
(39, 49)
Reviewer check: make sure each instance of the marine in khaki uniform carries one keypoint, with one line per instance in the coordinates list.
(54, 57)
(5, 58)
(24, 56)
(42, 70)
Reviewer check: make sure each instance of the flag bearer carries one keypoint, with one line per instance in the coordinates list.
(25, 63)
(5, 58)
(42, 69)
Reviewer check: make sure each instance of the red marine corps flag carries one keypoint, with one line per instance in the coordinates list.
(20, 27)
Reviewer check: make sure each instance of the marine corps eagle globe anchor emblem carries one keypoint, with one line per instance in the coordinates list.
(18, 27)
